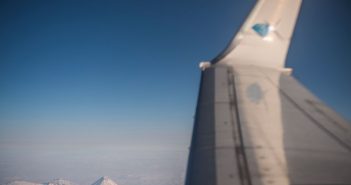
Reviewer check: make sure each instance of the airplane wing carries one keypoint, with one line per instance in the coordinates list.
(255, 124)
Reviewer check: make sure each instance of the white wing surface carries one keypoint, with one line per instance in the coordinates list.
(255, 124)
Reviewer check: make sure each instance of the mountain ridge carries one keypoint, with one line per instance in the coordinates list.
(101, 181)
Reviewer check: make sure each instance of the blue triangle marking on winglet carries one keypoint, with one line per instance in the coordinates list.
(261, 29)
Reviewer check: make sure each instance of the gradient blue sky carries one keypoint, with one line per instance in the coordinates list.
(125, 73)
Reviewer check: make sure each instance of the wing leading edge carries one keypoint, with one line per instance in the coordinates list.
(255, 124)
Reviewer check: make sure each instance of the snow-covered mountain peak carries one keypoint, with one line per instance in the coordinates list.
(104, 181)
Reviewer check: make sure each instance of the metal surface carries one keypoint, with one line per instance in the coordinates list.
(250, 47)
(255, 124)
(259, 126)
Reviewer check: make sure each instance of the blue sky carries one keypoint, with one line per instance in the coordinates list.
(107, 67)
(125, 73)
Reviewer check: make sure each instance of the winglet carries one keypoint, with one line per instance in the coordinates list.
(264, 38)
